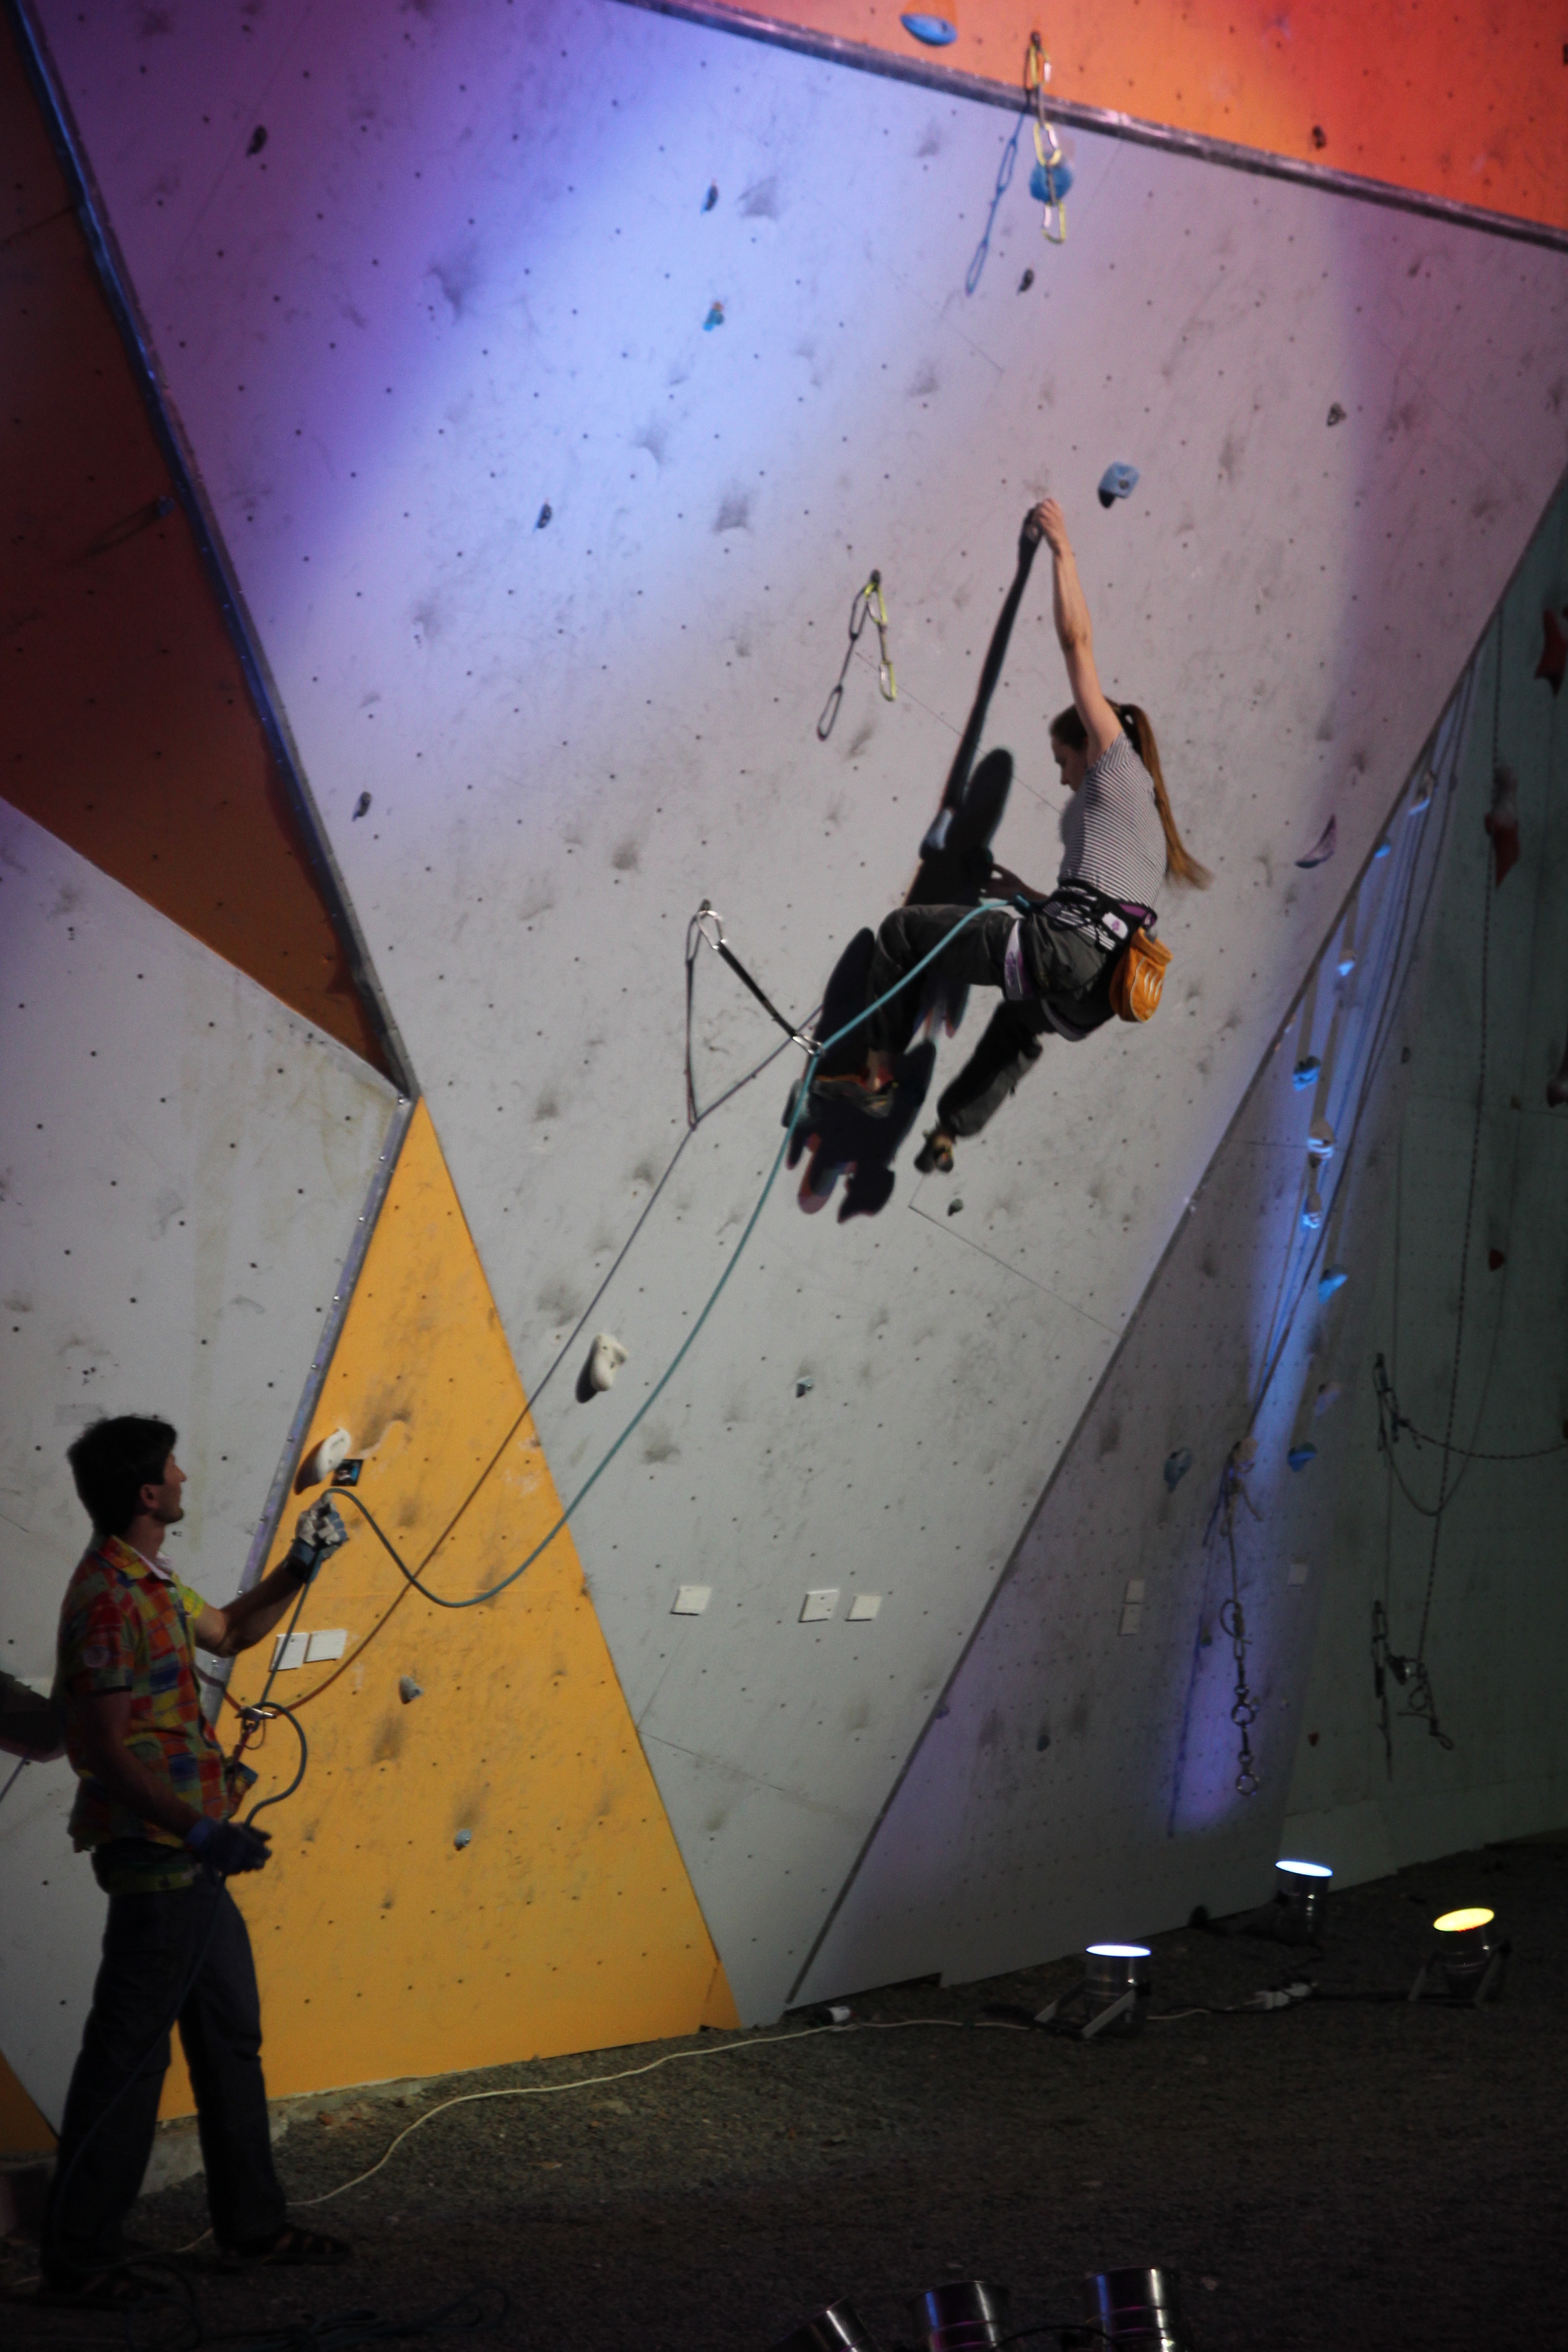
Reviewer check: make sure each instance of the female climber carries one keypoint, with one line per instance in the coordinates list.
(1054, 962)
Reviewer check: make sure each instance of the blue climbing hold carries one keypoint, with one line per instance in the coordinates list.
(1382, 849)
(1177, 1466)
(1332, 1279)
(715, 317)
(711, 198)
(1300, 1455)
(1305, 1073)
(1118, 481)
(934, 31)
(1049, 188)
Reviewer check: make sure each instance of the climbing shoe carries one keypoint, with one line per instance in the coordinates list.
(934, 1157)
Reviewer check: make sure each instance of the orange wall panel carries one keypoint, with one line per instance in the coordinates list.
(1468, 102)
(131, 732)
(485, 1872)
(23, 2131)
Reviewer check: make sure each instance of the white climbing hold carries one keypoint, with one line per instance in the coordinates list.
(605, 1362)
(408, 1690)
(1312, 1211)
(1321, 1140)
(333, 1449)
(463, 1837)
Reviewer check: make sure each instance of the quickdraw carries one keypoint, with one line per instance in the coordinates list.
(1048, 150)
(869, 604)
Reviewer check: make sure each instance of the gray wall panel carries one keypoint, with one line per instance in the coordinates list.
(467, 275)
(184, 1162)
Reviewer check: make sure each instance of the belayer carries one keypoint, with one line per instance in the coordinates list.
(1066, 963)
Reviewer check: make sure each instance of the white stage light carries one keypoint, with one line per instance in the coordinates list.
(1299, 1895)
(966, 2316)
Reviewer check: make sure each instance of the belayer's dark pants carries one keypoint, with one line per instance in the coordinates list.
(157, 1954)
(1061, 965)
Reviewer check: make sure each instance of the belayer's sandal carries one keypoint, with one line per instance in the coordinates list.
(290, 2249)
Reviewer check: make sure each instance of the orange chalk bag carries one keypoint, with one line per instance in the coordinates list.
(1138, 977)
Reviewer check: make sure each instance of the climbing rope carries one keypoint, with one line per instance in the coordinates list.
(1244, 1711)
(869, 604)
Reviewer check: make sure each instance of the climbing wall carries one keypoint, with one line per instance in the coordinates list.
(1479, 1272)
(556, 379)
(1474, 114)
(185, 1161)
(1175, 1571)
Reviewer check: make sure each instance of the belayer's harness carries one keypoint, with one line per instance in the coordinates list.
(1124, 928)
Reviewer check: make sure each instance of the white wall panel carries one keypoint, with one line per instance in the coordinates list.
(1499, 1621)
(184, 1162)
(467, 276)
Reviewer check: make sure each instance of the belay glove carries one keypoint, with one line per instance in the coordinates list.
(318, 1532)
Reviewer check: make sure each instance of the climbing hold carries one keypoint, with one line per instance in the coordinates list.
(463, 1837)
(1048, 184)
(1026, 280)
(1424, 792)
(1300, 1455)
(1328, 1396)
(711, 198)
(1336, 413)
(1496, 1258)
(1381, 850)
(715, 317)
(1557, 1087)
(362, 808)
(1305, 1073)
(320, 1466)
(805, 1385)
(1345, 965)
(1553, 662)
(408, 1690)
(1501, 821)
(1312, 1211)
(258, 139)
(1320, 1140)
(934, 31)
(1323, 849)
(953, 1207)
(1177, 1466)
(1320, 136)
(545, 511)
(1332, 1279)
(1118, 481)
(606, 1357)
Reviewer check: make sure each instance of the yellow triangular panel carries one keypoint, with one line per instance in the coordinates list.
(483, 1871)
(23, 2131)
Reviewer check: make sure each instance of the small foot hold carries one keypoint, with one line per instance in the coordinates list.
(1177, 1466)
(934, 31)
(1300, 1455)
(604, 1361)
(934, 1157)
(1323, 849)
(1305, 1073)
(1332, 1279)
(1501, 821)
(1118, 481)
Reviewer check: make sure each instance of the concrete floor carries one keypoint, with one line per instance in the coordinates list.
(1352, 2172)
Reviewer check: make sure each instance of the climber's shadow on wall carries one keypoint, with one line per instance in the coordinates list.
(956, 870)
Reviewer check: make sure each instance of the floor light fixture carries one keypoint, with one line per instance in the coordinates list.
(836, 2329)
(1470, 1956)
(1299, 1891)
(1134, 2309)
(967, 2316)
(1112, 1995)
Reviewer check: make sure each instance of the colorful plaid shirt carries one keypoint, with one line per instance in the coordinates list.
(129, 1625)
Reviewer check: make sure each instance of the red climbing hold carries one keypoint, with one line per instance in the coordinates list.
(1553, 663)
(1501, 822)
(1496, 1257)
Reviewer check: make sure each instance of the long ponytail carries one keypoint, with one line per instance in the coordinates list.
(1181, 866)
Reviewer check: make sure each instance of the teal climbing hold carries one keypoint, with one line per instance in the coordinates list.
(934, 31)
(1118, 481)
(1300, 1455)
(1049, 185)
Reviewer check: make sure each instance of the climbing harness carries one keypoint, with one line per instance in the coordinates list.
(1048, 148)
(1245, 1709)
(869, 604)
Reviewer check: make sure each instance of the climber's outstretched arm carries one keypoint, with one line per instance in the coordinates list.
(1074, 634)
